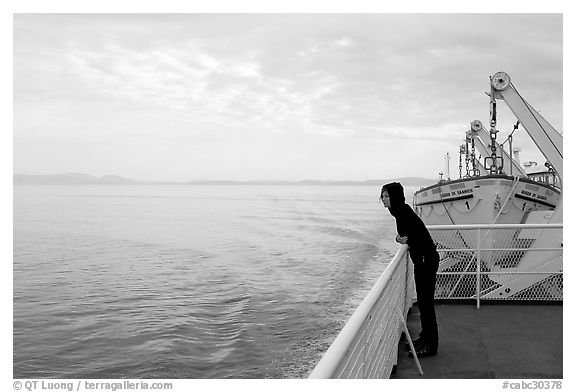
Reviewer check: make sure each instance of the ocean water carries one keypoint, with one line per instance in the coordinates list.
(189, 281)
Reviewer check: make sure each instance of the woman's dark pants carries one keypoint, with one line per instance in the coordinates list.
(425, 279)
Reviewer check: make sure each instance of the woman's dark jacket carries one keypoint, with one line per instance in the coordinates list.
(408, 224)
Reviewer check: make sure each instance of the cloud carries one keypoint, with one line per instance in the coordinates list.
(333, 70)
(210, 89)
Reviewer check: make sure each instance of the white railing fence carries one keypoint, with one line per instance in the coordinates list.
(367, 346)
(482, 262)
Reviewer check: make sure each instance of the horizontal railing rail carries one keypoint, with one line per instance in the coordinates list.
(497, 226)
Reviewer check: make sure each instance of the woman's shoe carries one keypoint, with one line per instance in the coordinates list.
(418, 342)
(422, 351)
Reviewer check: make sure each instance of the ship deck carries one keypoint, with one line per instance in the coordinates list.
(514, 341)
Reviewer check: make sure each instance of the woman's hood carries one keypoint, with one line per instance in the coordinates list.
(396, 194)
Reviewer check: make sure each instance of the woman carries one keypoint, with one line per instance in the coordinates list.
(412, 231)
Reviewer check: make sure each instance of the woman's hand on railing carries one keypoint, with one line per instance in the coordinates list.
(401, 240)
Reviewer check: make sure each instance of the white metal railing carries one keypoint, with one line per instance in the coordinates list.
(499, 262)
(367, 346)
(509, 262)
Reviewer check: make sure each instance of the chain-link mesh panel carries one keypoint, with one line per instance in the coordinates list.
(515, 262)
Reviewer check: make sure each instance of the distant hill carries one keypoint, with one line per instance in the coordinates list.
(406, 181)
(69, 179)
(79, 178)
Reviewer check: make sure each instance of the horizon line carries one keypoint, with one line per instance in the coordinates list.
(120, 179)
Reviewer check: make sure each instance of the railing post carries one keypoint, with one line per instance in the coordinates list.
(365, 350)
(478, 246)
(407, 293)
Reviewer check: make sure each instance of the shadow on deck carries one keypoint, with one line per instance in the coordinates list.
(495, 341)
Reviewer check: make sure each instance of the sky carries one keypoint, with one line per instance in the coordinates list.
(344, 96)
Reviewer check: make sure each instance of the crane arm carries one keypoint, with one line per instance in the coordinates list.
(545, 136)
(481, 148)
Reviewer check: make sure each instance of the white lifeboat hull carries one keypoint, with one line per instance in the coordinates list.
(491, 199)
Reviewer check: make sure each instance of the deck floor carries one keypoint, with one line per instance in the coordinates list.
(512, 341)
